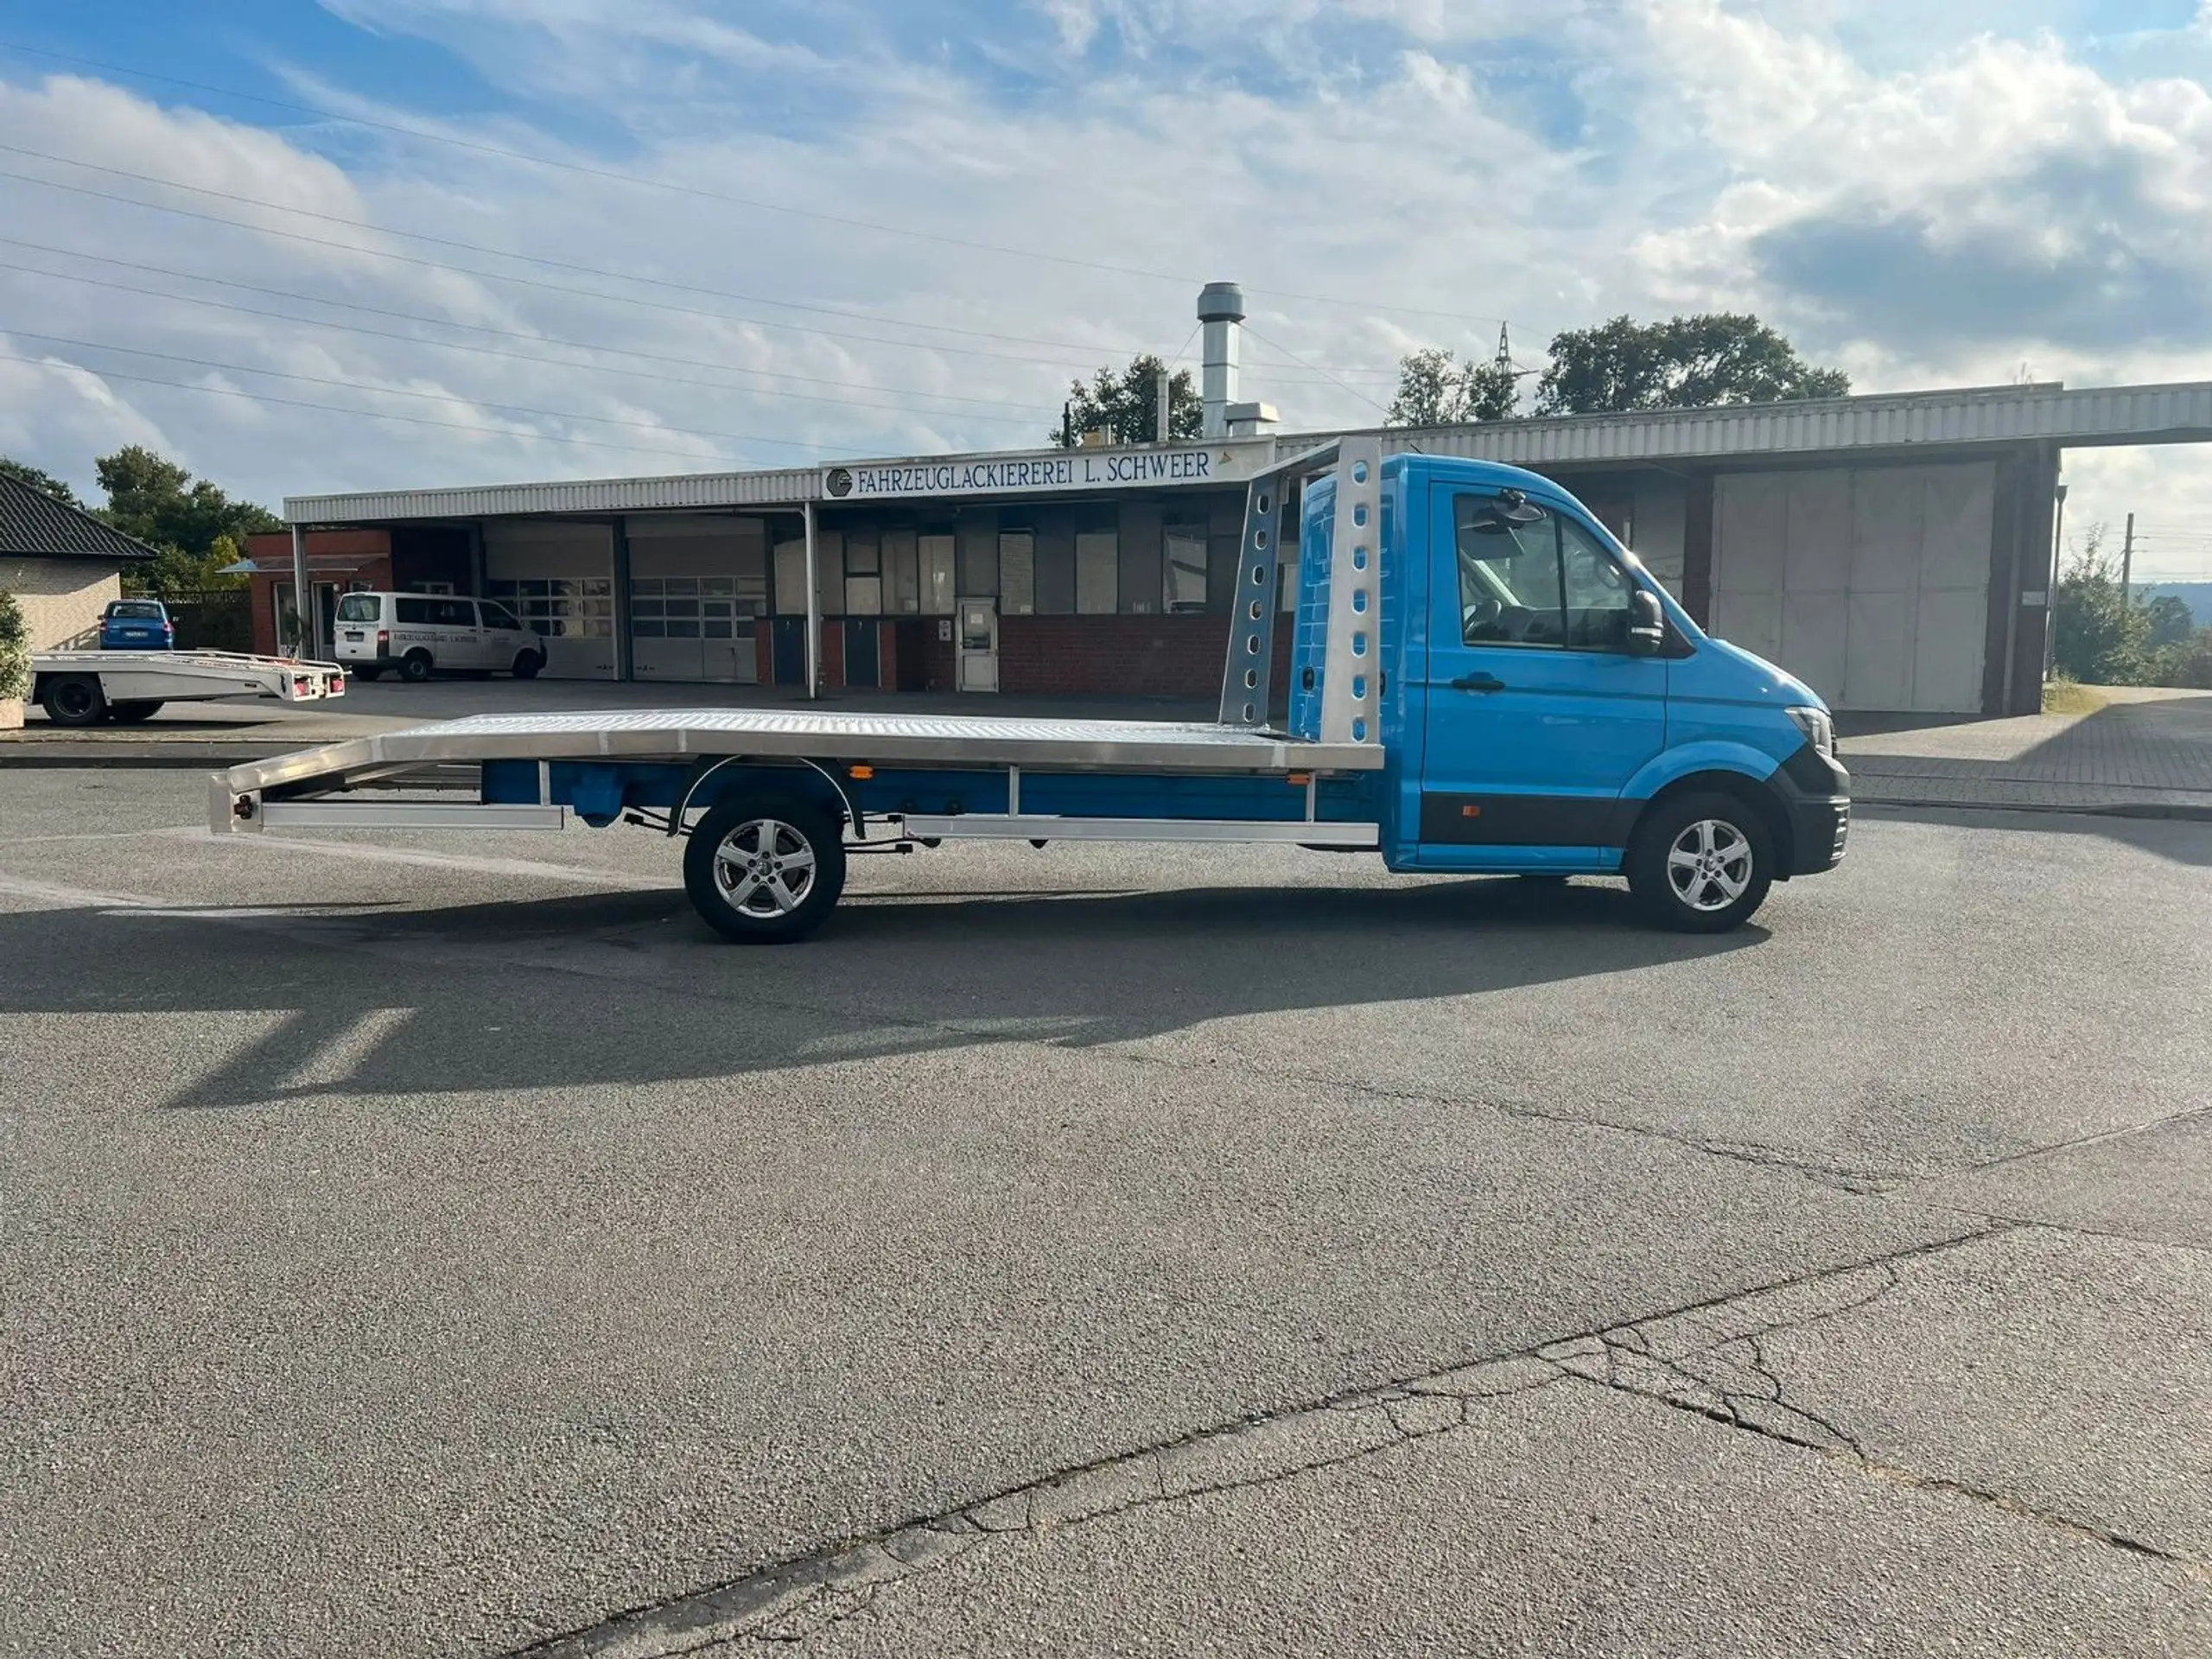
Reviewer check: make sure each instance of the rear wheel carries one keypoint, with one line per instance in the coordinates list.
(1700, 863)
(75, 700)
(527, 664)
(765, 868)
(130, 714)
(365, 671)
(415, 667)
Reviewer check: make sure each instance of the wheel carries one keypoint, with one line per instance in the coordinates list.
(75, 700)
(132, 713)
(1700, 863)
(364, 671)
(527, 664)
(765, 868)
(415, 667)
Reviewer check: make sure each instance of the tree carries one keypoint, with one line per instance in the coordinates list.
(15, 650)
(1436, 389)
(2170, 622)
(1686, 363)
(1127, 404)
(194, 527)
(2096, 636)
(46, 483)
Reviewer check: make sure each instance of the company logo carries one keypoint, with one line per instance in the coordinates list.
(839, 483)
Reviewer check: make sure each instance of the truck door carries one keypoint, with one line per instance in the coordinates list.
(1537, 715)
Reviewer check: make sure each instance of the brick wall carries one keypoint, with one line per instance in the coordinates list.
(1121, 656)
(340, 557)
(62, 599)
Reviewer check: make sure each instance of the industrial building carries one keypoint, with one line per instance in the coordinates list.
(1897, 551)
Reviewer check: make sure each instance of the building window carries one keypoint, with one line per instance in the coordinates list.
(936, 556)
(863, 573)
(563, 606)
(902, 586)
(1184, 587)
(791, 578)
(1097, 571)
(1017, 572)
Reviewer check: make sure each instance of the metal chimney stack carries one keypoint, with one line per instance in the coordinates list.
(1221, 307)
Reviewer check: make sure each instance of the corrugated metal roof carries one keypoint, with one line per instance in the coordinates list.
(34, 525)
(785, 487)
(1997, 415)
(2095, 416)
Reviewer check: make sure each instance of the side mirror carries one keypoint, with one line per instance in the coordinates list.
(1647, 624)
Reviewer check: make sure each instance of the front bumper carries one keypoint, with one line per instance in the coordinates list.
(1815, 797)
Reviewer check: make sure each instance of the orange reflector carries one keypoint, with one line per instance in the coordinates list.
(1300, 778)
(1471, 811)
(861, 772)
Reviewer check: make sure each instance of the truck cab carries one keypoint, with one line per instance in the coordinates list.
(1548, 708)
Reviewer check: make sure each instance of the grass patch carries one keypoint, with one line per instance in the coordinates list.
(2065, 696)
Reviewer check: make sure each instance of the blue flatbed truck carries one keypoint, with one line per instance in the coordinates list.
(1482, 681)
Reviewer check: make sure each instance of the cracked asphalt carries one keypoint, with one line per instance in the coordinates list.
(426, 1244)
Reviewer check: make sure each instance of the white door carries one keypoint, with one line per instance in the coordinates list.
(977, 641)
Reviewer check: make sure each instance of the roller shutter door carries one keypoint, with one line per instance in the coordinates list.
(1870, 584)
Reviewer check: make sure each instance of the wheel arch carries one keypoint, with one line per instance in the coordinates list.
(1752, 790)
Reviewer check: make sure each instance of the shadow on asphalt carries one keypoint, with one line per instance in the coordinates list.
(631, 988)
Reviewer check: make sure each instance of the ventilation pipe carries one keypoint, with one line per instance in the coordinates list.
(1221, 307)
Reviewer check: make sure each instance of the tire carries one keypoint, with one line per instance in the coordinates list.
(75, 700)
(415, 667)
(1700, 863)
(527, 664)
(723, 875)
(364, 671)
(132, 713)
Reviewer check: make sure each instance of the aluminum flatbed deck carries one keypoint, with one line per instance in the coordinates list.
(890, 739)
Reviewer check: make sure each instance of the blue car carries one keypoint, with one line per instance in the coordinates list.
(136, 625)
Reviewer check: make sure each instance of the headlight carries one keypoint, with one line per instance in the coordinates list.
(1819, 729)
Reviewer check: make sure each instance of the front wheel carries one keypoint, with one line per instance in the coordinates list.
(527, 664)
(765, 868)
(1700, 863)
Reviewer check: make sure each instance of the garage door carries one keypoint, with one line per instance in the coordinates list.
(559, 578)
(696, 584)
(1870, 584)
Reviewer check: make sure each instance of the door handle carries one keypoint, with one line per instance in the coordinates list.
(1478, 683)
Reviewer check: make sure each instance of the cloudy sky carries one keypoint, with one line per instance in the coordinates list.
(366, 242)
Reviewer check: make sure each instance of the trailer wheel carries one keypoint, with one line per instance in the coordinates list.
(132, 714)
(765, 868)
(1700, 863)
(75, 700)
(415, 667)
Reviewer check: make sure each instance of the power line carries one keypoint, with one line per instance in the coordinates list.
(657, 377)
(642, 181)
(1303, 363)
(397, 391)
(528, 258)
(335, 409)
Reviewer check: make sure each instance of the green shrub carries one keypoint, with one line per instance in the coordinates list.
(15, 649)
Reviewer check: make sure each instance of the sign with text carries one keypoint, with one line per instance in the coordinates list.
(1053, 472)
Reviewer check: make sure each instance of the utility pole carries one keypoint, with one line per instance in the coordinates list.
(1505, 358)
(1161, 436)
(2126, 560)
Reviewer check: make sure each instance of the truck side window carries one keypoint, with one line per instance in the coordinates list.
(1533, 577)
(1596, 590)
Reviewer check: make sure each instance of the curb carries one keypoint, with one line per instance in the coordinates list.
(2175, 812)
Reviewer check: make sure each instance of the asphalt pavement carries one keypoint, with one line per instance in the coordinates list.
(438, 1244)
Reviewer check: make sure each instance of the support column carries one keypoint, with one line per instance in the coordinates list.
(302, 601)
(619, 571)
(1697, 548)
(813, 609)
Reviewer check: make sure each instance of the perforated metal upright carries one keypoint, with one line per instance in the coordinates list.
(1248, 676)
(1351, 680)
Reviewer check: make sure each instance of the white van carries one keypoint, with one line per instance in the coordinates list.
(421, 634)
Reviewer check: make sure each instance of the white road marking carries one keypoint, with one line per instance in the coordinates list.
(465, 861)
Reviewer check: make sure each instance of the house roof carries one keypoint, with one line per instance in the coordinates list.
(34, 525)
